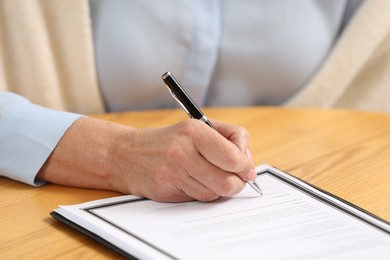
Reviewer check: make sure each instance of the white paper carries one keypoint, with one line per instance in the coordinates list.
(283, 224)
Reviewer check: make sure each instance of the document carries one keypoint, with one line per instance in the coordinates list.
(293, 220)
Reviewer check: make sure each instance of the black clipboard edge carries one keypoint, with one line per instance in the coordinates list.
(275, 174)
(90, 234)
(101, 240)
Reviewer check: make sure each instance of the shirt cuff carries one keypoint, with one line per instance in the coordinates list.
(28, 135)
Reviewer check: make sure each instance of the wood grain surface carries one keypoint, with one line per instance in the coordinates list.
(346, 153)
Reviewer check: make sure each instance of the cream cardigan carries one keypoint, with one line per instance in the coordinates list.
(48, 57)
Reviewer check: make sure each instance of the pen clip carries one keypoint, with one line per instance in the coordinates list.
(178, 101)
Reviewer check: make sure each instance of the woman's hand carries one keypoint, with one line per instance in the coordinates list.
(181, 162)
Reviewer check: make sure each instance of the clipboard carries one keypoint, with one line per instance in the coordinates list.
(98, 220)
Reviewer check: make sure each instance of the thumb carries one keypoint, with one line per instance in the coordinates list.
(222, 153)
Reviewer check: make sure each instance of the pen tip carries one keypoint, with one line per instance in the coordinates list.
(256, 187)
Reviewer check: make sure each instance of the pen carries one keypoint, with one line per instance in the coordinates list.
(193, 110)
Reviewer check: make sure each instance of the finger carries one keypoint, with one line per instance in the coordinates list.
(216, 180)
(235, 134)
(172, 181)
(196, 190)
(224, 154)
(178, 196)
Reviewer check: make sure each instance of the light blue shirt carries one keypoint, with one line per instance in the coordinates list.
(28, 135)
(223, 52)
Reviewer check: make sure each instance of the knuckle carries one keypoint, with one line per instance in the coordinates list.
(175, 153)
(163, 197)
(163, 193)
(192, 130)
(234, 161)
(207, 196)
(187, 127)
(227, 187)
(243, 132)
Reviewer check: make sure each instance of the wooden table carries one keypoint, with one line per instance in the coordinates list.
(346, 153)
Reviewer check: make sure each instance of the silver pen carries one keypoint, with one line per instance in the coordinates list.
(193, 111)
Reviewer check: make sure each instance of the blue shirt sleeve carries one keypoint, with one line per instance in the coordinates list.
(28, 135)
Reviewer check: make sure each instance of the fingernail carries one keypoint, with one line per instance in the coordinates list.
(251, 175)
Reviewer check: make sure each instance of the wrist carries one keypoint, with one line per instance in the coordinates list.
(85, 156)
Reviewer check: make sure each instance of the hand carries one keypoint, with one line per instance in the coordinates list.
(181, 162)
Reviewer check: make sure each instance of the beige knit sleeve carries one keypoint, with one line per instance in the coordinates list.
(356, 74)
(46, 54)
